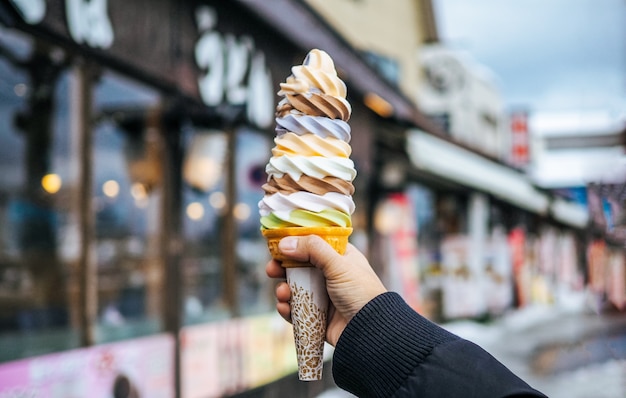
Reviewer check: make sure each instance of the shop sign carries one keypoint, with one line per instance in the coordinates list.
(233, 71)
(230, 70)
(87, 20)
(520, 140)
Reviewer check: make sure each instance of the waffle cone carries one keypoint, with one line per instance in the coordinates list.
(309, 299)
(337, 237)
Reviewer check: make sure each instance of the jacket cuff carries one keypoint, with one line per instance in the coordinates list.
(382, 345)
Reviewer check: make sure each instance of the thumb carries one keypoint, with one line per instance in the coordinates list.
(312, 249)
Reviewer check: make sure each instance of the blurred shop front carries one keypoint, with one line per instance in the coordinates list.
(463, 231)
(465, 236)
(606, 249)
(133, 140)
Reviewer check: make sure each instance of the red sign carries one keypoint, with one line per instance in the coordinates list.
(519, 139)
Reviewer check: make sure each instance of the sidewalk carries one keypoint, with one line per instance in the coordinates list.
(562, 351)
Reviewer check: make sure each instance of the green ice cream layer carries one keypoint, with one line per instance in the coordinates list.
(305, 218)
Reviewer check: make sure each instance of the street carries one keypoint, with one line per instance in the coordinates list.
(561, 351)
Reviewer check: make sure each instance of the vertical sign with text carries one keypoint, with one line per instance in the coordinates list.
(520, 141)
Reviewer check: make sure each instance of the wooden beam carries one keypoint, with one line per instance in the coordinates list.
(81, 116)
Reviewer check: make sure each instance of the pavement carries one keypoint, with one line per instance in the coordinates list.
(563, 351)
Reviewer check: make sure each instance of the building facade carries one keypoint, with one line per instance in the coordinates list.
(133, 137)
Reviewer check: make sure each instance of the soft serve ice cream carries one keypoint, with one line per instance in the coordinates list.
(309, 191)
(310, 172)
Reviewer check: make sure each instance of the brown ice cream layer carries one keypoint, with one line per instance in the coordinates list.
(287, 185)
(316, 105)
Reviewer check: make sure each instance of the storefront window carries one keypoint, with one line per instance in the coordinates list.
(36, 246)
(127, 194)
(204, 212)
(255, 289)
(205, 194)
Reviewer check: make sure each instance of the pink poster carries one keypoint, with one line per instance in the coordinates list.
(402, 250)
(212, 359)
(617, 281)
(517, 243)
(596, 261)
(130, 369)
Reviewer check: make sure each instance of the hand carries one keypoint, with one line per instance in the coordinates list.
(350, 280)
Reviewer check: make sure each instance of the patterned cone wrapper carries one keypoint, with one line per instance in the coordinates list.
(309, 304)
(309, 299)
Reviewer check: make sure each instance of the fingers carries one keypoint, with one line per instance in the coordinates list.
(312, 249)
(273, 269)
(284, 310)
(283, 294)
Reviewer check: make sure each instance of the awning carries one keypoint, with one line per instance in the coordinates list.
(451, 162)
(569, 213)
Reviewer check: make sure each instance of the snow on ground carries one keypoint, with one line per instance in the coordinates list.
(605, 380)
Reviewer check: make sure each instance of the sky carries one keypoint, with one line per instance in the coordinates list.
(548, 55)
(564, 61)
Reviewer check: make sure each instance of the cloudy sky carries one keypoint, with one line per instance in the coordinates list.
(562, 60)
(550, 55)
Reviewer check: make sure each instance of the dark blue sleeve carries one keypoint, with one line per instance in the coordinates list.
(389, 350)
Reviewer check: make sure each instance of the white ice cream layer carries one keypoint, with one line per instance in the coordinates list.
(279, 203)
(313, 166)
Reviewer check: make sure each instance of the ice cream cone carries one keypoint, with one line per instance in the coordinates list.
(337, 237)
(309, 191)
(309, 299)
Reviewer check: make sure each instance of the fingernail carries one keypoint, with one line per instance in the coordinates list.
(288, 244)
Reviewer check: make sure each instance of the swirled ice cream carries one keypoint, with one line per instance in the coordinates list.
(310, 173)
(309, 192)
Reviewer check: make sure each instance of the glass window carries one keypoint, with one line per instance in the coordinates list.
(36, 243)
(204, 215)
(204, 261)
(127, 194)
(256, 294)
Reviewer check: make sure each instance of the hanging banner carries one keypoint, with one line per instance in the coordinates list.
(596, 207)
(397, 221)
(521, 273)
(596, 261)
(520, 139)
(498, 270)
(461, 296)
(617, 280)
